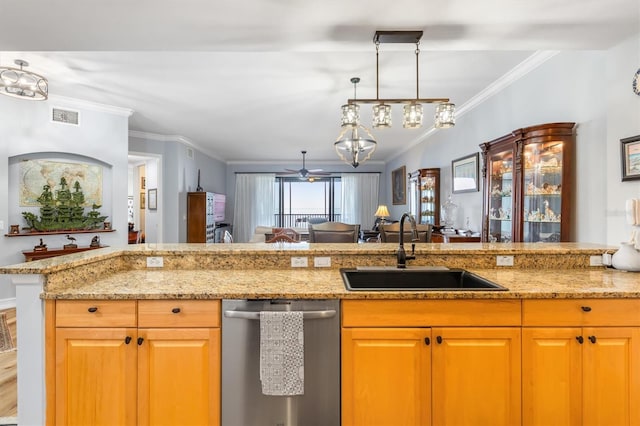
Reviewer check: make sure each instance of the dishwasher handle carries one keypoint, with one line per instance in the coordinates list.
(253, 315)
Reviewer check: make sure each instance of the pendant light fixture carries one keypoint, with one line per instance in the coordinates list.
(355, 143)
(413, 110)
(19, 83)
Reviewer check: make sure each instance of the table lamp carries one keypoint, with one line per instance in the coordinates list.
(381, 213)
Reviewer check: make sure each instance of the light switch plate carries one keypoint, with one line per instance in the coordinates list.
(504, 260)
(596, 260)
(1, 225)
(322, 262)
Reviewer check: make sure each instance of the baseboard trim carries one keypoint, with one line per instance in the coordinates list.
(7, 303)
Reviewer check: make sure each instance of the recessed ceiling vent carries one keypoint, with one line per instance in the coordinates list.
(65, 116)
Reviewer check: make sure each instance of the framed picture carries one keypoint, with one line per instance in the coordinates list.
(399, 185)
(153, 199)
(143, 182)
(630, 152)
(464, 174)
(142, 201)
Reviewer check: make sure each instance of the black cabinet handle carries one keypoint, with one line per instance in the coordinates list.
(579, 339)
(176, 310)
(427, 341)
(439, 339)
(592, 339)
(92, 309)
(127, 340)
(140, 340)
(586, 308)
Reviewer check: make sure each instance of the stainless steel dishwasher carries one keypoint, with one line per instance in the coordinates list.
(243, 403)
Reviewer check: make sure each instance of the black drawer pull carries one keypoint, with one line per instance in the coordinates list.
(579, 339)
(140, 340)
(586, 308)
(427, 341)
(439, 339)
(92, 309)
(176, 310)
(127, 340)
(592, 339)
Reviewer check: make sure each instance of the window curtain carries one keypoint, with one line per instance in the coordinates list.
(360, 198)
(254, 204)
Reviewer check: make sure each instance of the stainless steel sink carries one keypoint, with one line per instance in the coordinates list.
(395, 279)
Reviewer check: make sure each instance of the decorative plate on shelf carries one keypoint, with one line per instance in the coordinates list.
(636, 83)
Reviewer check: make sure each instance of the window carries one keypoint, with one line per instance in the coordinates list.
(300, 202)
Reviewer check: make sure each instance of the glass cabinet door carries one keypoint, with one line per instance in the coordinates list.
(542, 201)
(425, 195)
(500, 170)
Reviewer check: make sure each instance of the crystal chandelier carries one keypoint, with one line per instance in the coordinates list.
(413, 111)
(355, 143)
(19, 83)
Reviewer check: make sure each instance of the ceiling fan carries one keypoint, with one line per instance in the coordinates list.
(304, 173)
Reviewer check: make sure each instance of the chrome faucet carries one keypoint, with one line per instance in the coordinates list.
(402, 255)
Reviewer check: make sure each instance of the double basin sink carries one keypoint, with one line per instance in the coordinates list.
(418, 279)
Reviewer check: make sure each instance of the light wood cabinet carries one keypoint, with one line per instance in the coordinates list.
(579, 373)
(160, 366)
(386, 376)
(443, 370)
(476, 376)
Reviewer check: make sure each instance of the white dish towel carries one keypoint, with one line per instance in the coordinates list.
(282, 353)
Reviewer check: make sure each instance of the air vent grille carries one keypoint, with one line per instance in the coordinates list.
(65, 116)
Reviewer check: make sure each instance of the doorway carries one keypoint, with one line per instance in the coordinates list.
(144, 203)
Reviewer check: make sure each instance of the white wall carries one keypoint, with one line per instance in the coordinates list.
(179, 174)
(576, 86)
(26, 128)
(623, 120)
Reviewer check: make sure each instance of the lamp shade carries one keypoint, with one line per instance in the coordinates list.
(382, 211)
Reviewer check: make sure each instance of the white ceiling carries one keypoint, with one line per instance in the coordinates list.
(260, 80)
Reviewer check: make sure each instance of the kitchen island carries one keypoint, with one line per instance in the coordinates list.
(236, 271)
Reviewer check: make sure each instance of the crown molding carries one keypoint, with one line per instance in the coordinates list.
(173, 138)
(289, 162)
(63, 101)
(516, 73)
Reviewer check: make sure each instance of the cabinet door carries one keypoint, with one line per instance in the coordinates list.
(179, 376)
(552, 376)
(385, 376)
(95, 376)
(611, 376)
(476, 376)
(500, 199)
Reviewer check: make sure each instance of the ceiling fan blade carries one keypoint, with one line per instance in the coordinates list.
(314, 170)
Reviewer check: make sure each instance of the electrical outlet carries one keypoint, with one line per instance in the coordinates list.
(155, 262)
(322, 262)
(299, 262)
(596, 260)
(606, 259)
(504, 260)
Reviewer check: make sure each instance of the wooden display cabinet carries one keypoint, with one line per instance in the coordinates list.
(425, 195)
(528, 185)
(201, 225)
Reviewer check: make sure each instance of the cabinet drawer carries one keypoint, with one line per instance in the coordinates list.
(178, 313)
(96, 313)
(581, 312)
(427, 313)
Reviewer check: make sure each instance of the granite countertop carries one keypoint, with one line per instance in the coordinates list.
(328, 284)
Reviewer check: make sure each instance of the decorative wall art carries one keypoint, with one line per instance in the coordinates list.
(35, 174)
(399, 186)
(630, 155)
(152, 200)
(142, 199)
(464, 174)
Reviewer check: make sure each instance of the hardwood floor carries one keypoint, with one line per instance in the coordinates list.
(8, 376)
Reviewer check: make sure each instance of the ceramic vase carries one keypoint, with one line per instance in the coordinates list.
(627, 258)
